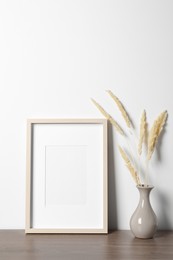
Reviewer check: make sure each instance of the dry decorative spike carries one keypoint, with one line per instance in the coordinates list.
(129, 166)
(121, 108)
(149, 139)
(142, 132)
(108, 117)
(155, 133)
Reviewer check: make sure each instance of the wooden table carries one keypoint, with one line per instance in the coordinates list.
(14, 244)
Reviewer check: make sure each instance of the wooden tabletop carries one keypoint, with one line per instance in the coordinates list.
(14, 244)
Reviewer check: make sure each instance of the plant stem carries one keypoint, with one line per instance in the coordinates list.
(146, 172)
(136, 150)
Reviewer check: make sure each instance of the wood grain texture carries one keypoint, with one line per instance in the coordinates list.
(14, 244)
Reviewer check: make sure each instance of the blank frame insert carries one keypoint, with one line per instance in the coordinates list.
(66, 176)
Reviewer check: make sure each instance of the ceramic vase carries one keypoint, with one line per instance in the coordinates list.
(143, 222)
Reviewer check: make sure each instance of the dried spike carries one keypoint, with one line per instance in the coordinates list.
(143, 125)
(108, 117)
(100, 108)
(121, 108)
(116, 125)
(155, 133)
(129, 166)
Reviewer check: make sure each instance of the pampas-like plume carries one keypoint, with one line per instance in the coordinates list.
(155, 133)
(142, 135)
(121, 108)
(112, 121)
(129, 166)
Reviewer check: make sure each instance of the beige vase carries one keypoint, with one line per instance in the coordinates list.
(143, 222)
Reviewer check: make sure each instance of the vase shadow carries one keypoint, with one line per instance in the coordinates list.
(112, 204)
(164, 221)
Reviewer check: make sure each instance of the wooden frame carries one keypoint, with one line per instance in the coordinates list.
(31, 123)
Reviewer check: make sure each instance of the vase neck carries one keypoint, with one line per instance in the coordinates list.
(144, 201)
(145, 191)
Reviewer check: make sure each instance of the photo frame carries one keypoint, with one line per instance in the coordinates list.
(66, 182)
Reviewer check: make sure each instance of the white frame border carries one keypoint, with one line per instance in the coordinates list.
(30, 122)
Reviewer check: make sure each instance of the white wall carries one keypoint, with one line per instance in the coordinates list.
(54, 56)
